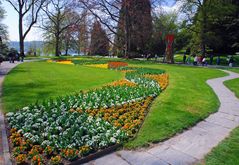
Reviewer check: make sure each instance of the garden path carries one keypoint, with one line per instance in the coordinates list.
(5, 67)
(191, 146)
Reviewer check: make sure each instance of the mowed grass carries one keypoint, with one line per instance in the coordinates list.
(33, 81)
(226, 153)
(233, 85)
(187, 100)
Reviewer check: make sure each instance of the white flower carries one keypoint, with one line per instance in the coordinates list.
(112, 140)
(25, 108)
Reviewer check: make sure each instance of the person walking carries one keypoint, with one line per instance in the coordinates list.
(184, 58)
(195, 62)
(156, 57)
(231, 61)
(218, 60)
(189, 60)
(11, 57)
(22, 56)
(211, 59)
(204, 62)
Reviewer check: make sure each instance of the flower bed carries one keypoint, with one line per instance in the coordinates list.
(68, 62)
(117, 64)
(123, 82)
(162, 79)
(103, 66)
(72, 127)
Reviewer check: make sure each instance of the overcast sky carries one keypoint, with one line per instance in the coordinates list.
(11, 21)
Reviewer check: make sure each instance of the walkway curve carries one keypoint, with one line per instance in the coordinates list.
(5, 67)
(192, 145)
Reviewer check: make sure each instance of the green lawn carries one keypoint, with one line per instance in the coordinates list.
(187, 100)
(233, 85)
(34, 81)
(227, 152)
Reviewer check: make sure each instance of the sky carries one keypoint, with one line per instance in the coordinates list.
(11, 21)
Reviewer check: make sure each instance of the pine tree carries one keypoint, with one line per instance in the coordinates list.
(99, 41)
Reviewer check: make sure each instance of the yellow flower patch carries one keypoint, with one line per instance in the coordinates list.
(122, 83)
(128, 117)
(68, 62)
(162, 79)
(104, 66)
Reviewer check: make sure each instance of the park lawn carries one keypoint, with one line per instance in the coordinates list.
(186, 101)
(233, 85)
(226, 153)
(33, 81)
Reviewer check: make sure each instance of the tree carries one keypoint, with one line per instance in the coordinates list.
(28, 11)
(223, 27)
(3, 34)
(59, 16)
(80, 35)
(163, 24)
(99, 42)
(210, 21)
(128, 22)
(134, 26)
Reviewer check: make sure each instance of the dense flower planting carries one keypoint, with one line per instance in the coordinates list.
(117, 64)
(123, 82)
(69, 62)
(103, 66)
(74, 126)
(162, 79)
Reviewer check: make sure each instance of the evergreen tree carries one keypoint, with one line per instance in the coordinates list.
(99, 41)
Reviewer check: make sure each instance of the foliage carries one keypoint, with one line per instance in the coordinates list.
(210, 21)
(3, 35)
(134, 27)
(99, 41)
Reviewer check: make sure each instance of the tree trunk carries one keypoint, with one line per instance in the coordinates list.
(21, 38)
(203, 32)
(126, 31)
(57, 45)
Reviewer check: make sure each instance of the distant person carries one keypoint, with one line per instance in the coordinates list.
(231, 61)
(148, 56)
(211, 59)
(195, 61)
(189, 60)
(22, 56)
(17, 56)
(200, 60)
(1, 59)
(218, 60)
(156, 57)
(11, 57)
(184, 58)
(204, 61)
